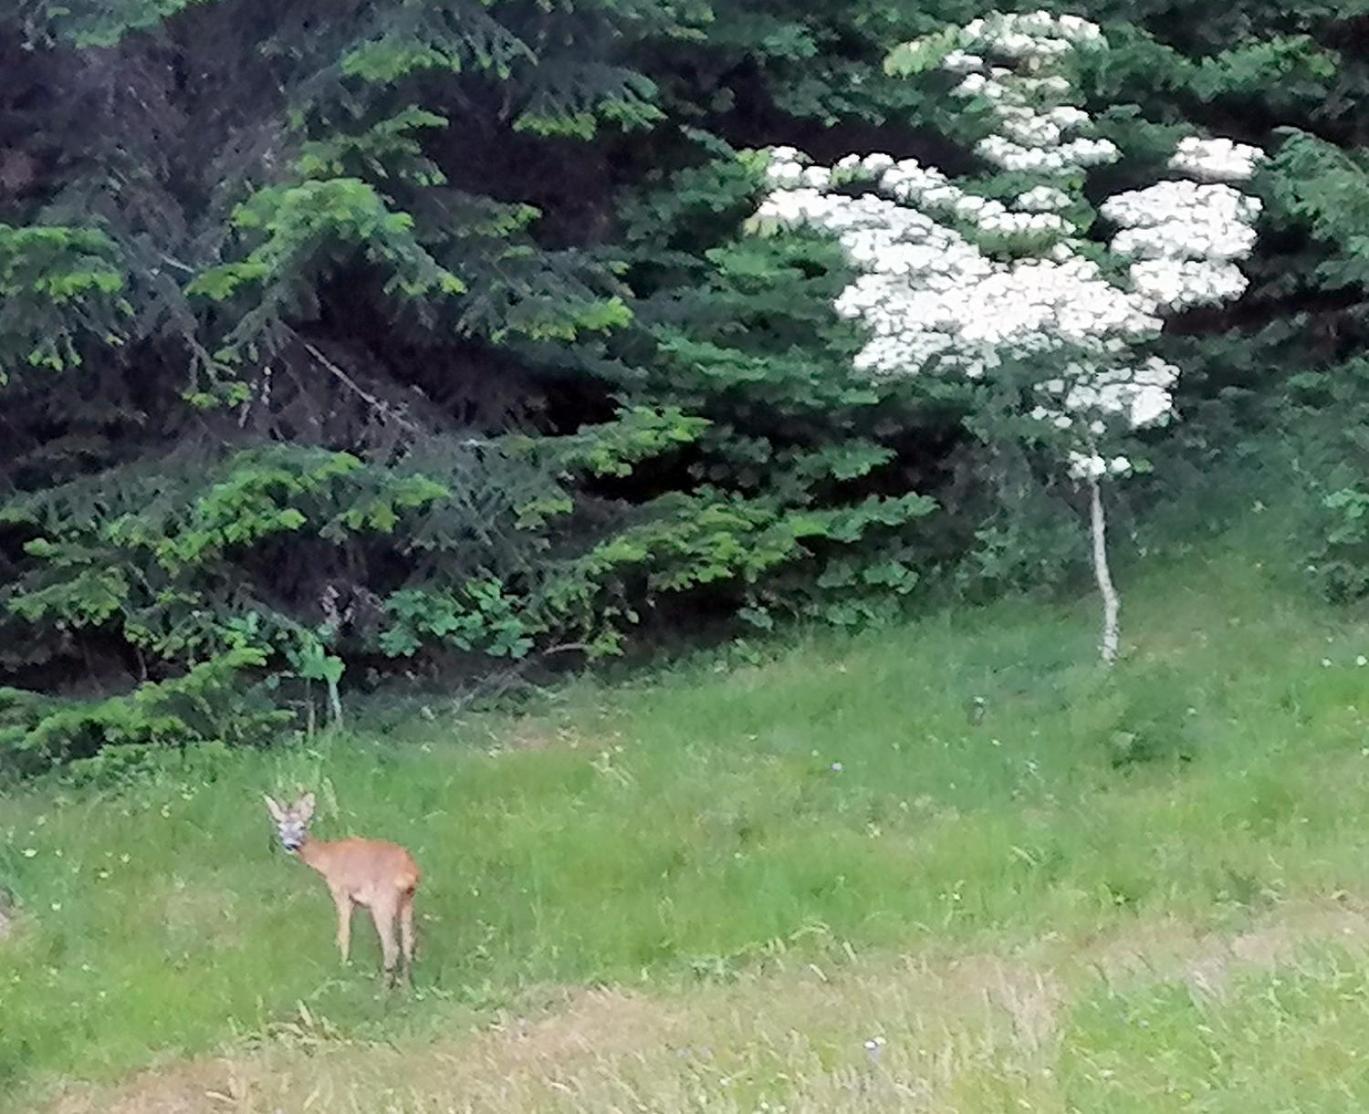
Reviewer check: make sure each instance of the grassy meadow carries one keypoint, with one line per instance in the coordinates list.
(815, 881)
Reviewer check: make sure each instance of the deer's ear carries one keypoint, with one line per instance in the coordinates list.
(277, 813)
(305, 807)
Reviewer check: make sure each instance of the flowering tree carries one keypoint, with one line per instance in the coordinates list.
(996, 275)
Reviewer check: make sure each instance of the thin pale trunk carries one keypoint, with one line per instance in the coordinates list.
(335, 703)
(1111, 604)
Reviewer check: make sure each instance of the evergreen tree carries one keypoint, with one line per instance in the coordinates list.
(340, 338)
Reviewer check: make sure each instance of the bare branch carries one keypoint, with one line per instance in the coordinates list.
(379, 405)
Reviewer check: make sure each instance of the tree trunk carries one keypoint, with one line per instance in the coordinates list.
(1111, 605)
(335, 703)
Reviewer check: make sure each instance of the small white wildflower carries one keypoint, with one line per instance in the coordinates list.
(30, 852)
(837, 767)
(1360, 659)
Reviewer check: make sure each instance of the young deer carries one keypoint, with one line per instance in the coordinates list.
(381, 876)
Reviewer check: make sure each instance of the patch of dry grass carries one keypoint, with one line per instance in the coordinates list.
(971, 1033)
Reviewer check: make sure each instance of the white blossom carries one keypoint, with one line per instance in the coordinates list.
(1216, 160)
(783, 172)
(1092, 466)
(1087, 466)
(1066, 117)
(1042, 199)
(958, 61)
(1183, 220)
(931, 297)
(1141, 395)
(1175, 285)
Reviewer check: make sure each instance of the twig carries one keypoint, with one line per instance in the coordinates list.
(170, 262)
(377, 404)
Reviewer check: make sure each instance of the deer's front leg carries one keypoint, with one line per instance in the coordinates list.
(344, 924)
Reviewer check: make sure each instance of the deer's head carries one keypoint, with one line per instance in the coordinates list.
(292, 822)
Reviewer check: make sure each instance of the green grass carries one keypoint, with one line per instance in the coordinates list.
(1293, 1040)
(717, 820)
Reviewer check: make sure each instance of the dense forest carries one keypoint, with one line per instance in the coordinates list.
(355, 342)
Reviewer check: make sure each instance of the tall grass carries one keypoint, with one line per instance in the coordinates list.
(837, 798)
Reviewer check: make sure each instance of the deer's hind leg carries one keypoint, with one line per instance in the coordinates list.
(406, 933)
(385, 913)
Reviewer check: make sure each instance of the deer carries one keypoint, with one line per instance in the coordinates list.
(378, 875)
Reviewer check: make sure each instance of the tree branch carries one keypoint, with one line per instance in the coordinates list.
(377, 404)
